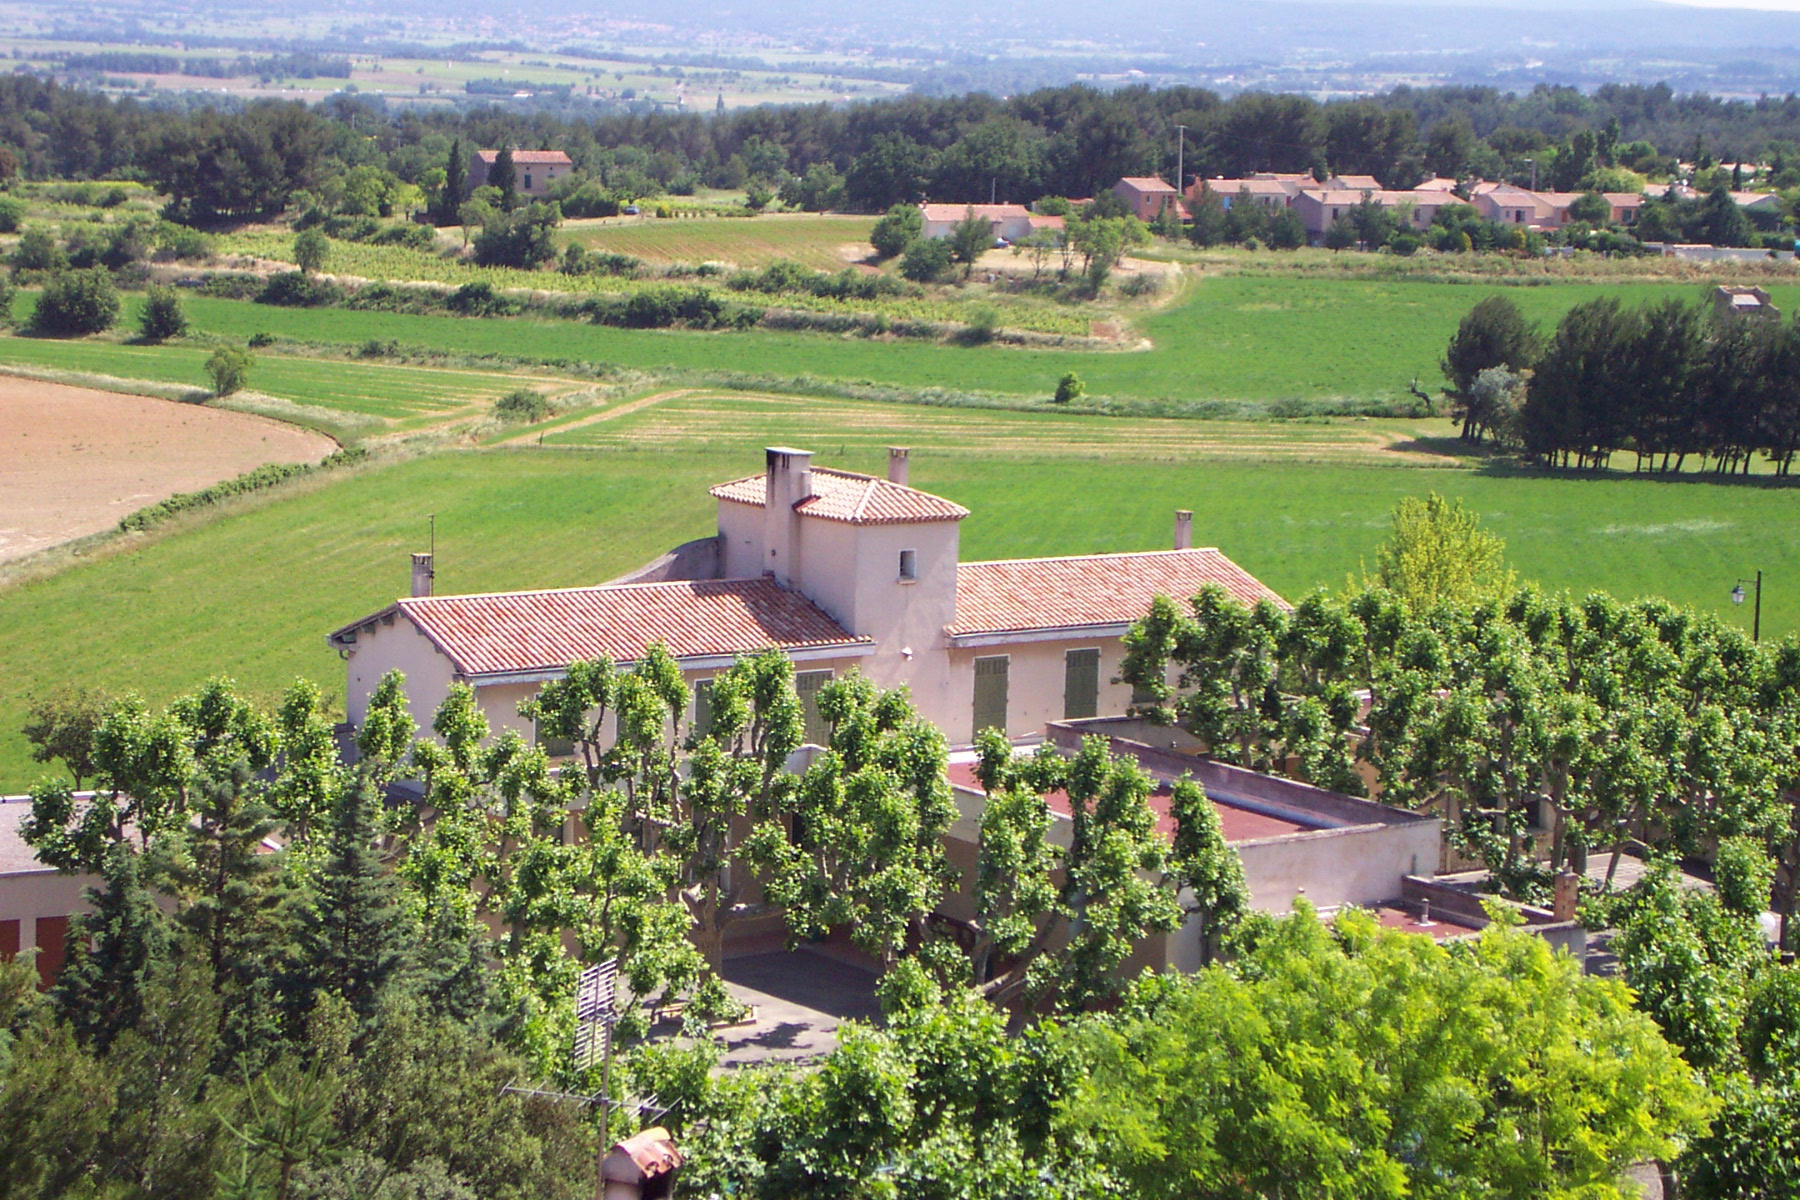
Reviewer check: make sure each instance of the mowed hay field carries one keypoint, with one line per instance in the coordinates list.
(825, 243)
(251, 591)
(1229, 338)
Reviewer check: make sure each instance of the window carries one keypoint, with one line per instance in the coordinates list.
(702, 707)
(808, 683)
(528, 181)
(909, 565)
(1142, 695)
(990, 693)
(1081, 684)
(555, 747)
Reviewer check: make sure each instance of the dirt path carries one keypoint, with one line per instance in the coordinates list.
(607, 414)
(74, 460)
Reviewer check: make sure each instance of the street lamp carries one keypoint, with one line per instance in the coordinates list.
(1737, 597)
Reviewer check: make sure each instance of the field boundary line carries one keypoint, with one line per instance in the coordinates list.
(180, 393)
(605, 414)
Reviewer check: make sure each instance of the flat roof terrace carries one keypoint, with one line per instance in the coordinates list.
(1243, 820)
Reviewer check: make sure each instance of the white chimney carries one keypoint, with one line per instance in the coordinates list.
(422, 575)
(1184, 529)
(788, 482)
(897, 464)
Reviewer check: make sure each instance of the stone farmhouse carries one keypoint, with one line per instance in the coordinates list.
(839, 571)
(536, 169)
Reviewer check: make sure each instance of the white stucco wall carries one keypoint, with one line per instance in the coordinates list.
(1338, 866)
(740, 540)
(396, 643)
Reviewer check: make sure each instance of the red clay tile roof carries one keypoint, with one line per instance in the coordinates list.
(530, 158)
(855, 499)
(1148, 183)
(1026, 594)
(957, 212)
(516, 632)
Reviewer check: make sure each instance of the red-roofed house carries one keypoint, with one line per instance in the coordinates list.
(837, 570)
(535, 169)
(1147, 196)
(1010, 222)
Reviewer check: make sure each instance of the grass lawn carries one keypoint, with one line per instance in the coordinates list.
(808, 238)
(1230, 338)
(252, 592)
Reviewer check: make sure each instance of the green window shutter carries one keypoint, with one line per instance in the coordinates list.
(807, 684)
(990, 693)
(702, 707)
(1081, 684)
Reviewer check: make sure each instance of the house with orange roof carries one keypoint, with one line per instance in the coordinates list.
(1147, 196)
(536, 170)
(839, 571)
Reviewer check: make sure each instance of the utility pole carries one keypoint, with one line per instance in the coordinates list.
(1180, 155)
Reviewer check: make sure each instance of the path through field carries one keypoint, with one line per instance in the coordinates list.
(74, 460)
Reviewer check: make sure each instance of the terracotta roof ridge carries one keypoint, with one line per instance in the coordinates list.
(668, 584)
(1048, 558)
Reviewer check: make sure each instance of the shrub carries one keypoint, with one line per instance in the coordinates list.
(413, 237)
(925, 259)
(12, 211)
(660, 307)
(226, 286)
(522, 406)
(9, 292)
(77, 302)
(351, 228)
(229, 369)
(296, 289)
(162, 316)
(519, 239)
(479, 299)
(1142, 285)
(984, 323)
(895, 231)
(1070, 387)
(378, 348)
(1405, 244)
(312, 250)
(37, 251)
(259, 340)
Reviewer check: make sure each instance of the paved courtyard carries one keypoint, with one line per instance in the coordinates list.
(801, 997)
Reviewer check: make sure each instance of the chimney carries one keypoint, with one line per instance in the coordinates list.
(897, 464)
(788, 482)
(422, 575)
(1184, 529)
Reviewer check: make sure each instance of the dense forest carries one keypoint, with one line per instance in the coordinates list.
(1070, 141)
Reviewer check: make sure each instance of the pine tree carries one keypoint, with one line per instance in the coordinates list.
(356, 938)
(505, 176)
(115, 951)
(456, 177)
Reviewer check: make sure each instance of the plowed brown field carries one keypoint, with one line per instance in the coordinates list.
(74, 460)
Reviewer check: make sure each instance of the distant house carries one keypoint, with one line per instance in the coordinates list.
(1438, 184)
(1319, 207)
(1271, 194)
(1010, 221)
(534, 170)
(1353, 183)
(1147, 196)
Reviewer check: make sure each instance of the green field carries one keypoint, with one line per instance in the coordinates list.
(1236, 338)
(222, 595)
(817, 241)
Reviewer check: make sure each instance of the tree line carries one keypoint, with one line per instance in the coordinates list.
(306, 980)
(242, 160)
(1665, 381)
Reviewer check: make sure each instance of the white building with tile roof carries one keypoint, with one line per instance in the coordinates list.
(839, 571)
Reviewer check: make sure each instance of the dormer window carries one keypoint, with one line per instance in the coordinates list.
(909, 566)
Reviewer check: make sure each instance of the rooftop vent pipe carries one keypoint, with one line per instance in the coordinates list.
(1184, 529)
(422, 575)
(897, 464)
